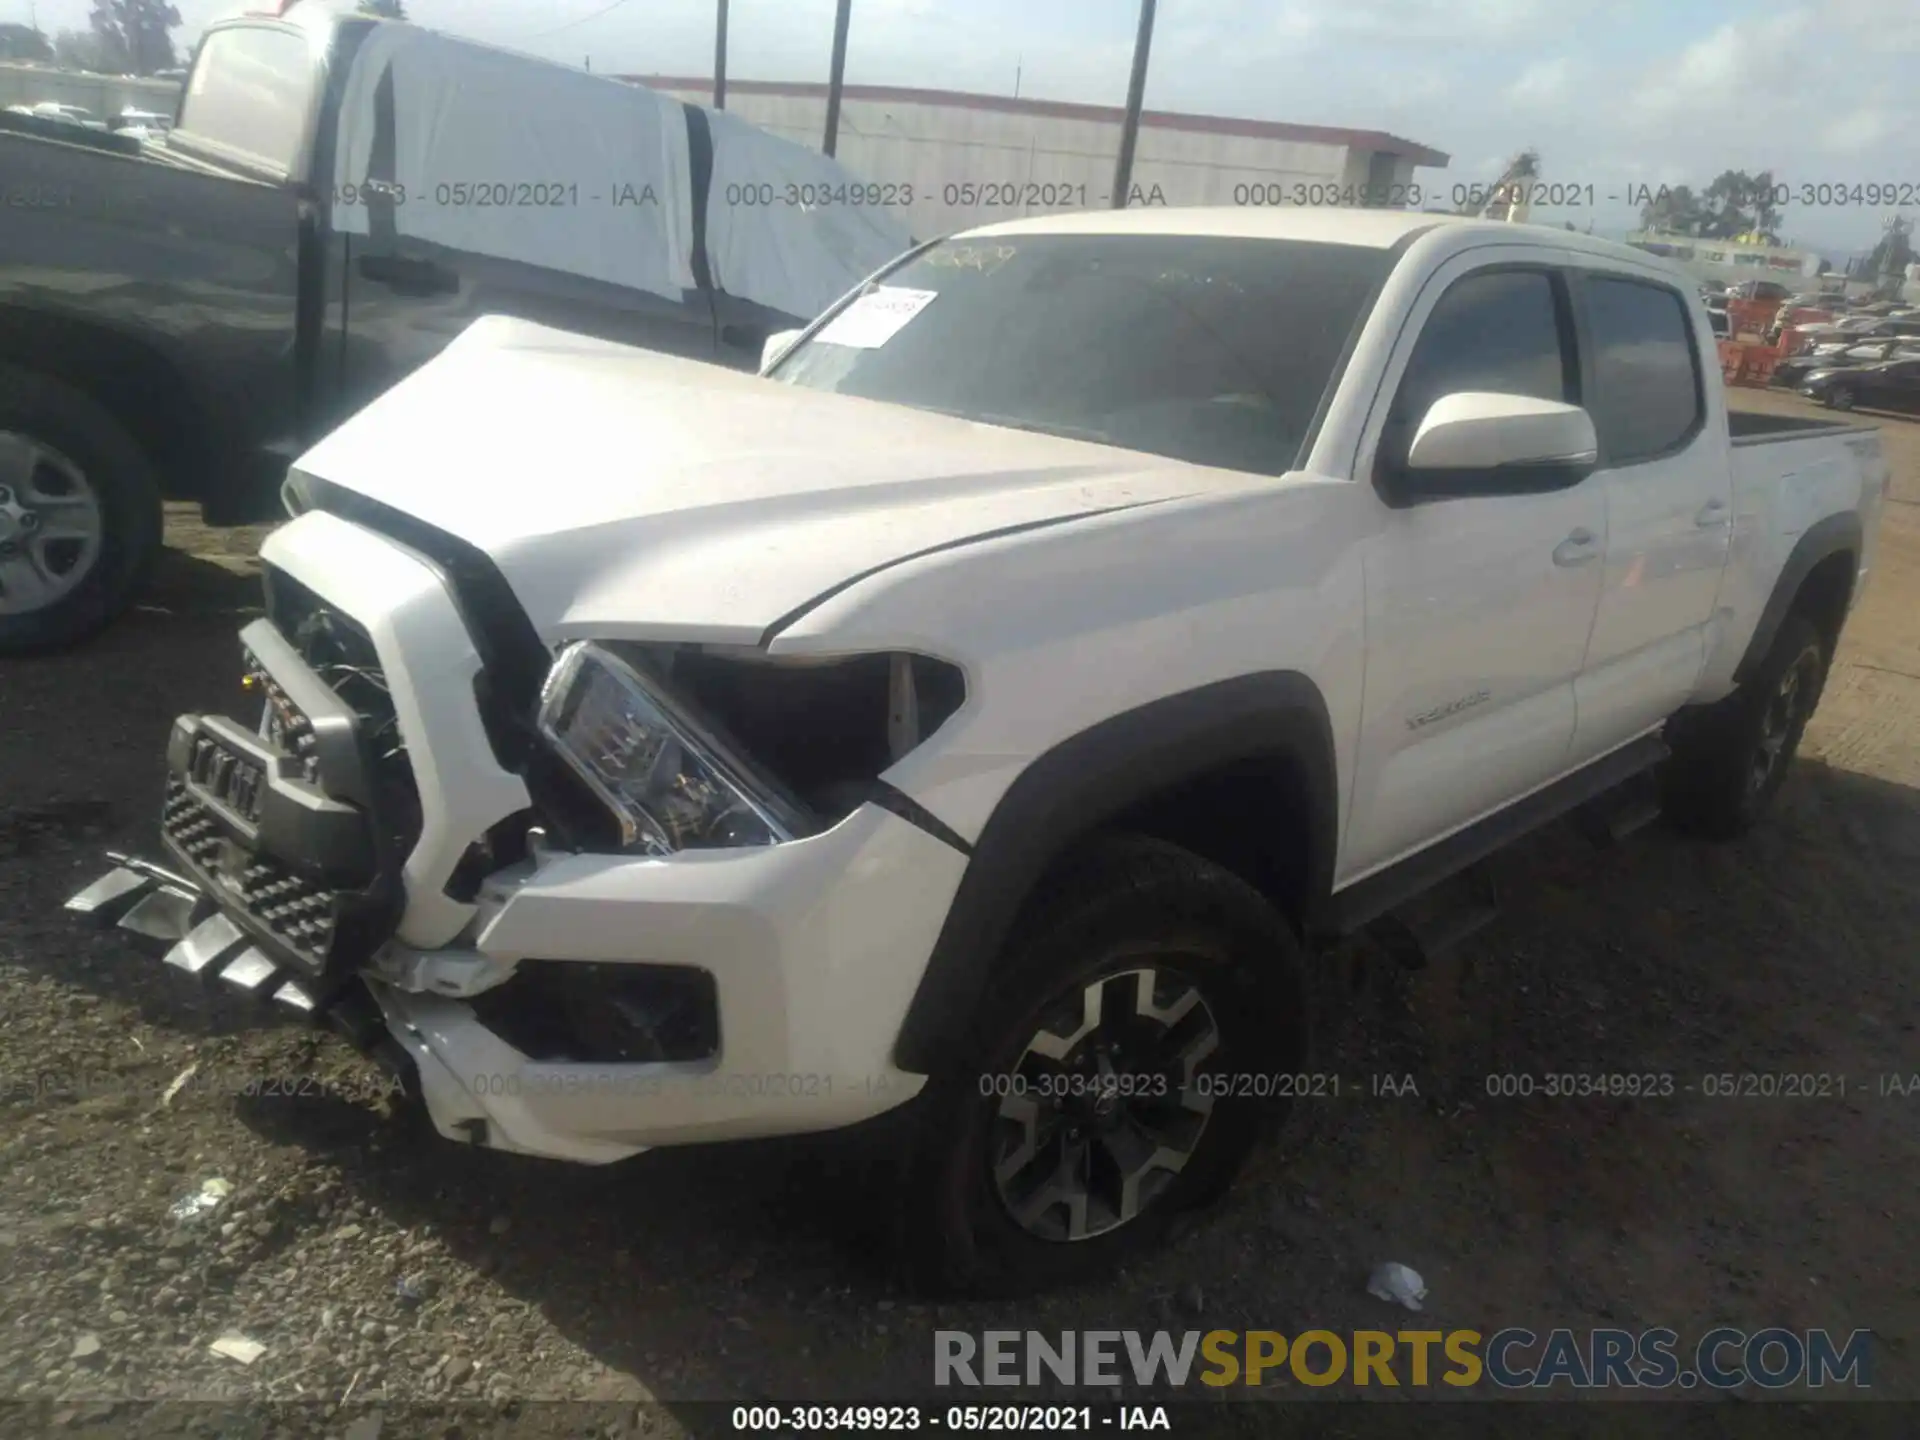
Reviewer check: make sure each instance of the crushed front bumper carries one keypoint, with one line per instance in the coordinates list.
(814, 948)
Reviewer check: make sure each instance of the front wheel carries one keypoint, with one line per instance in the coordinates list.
(80, 517)
(1730, 759)
(1840, 397)
(1134, 1045)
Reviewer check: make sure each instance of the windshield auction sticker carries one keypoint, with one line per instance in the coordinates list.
(875, 318)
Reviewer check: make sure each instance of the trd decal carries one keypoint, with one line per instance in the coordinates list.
(1448, 710)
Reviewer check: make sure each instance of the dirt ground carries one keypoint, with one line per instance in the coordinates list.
(374, 1264)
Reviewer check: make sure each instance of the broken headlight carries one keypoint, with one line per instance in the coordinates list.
(666, 780)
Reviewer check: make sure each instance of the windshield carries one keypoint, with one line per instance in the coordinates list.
(250, 91)
(1206, 349)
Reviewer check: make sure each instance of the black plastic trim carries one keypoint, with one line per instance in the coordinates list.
(335, 727)
(514, 661)
(700, 162)
(1402, 488)
(1750, 427)
(1088, 780)
(1835, 535)
(914, 813)
(383, 225)
(339, 851)
(292, 821)
(1380, 892)
(1395, 254)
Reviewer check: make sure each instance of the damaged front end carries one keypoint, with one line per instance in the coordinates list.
(578, 920)
(282, 843)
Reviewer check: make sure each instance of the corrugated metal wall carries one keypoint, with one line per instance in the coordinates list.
(948, 167)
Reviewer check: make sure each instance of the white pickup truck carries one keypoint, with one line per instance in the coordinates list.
(983, 714)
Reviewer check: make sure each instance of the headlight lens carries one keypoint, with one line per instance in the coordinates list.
(670, 786)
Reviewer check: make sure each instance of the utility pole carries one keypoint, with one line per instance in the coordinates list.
(720, 57)
(1017, 66)
(842, 11)
(1136, 92)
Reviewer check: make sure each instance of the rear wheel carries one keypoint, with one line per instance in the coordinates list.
(1101, 1090)
(80, 517)
(1730, 759)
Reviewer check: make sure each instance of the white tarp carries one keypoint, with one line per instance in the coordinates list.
(521, 159)
(813, 243)
(509, 156)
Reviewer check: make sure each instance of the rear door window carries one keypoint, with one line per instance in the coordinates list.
(1647, 398)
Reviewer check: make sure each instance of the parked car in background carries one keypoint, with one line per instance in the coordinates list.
(1790, 373)
(71, 114)
(1885, 385)
(181, 315)
(1853, 329)
(151, 122)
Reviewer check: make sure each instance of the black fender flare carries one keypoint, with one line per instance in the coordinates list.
(1822, 540)
(1087, 780)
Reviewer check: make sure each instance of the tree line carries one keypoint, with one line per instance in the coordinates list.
(125, 37)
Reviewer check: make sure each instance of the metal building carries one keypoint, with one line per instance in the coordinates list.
(950, 160)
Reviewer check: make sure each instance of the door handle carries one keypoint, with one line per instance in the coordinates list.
(1577, 549)
(409, 277)
(1713, 513)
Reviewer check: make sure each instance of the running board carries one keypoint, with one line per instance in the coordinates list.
(1359, 905)
(1416, 935)
(1607, 820)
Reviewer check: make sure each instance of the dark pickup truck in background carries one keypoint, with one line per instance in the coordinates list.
(181, 316)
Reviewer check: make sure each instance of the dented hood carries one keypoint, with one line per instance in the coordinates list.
(625, 493)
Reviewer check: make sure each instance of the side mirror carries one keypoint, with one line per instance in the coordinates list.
(777, 345)
(1478, 442)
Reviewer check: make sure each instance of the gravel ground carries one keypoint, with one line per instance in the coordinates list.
(374, 1263)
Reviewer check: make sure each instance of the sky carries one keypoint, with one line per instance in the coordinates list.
(1612, 93)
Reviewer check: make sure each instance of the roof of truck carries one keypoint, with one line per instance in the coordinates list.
(1379, 229)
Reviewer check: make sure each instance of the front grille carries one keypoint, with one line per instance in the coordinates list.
(341, 653)
(286, 727)
(298, 913)
(233, 779)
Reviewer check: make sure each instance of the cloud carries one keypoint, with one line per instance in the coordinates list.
(1859, 130)
(1546, 83)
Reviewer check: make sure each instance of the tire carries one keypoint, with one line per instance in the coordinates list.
(1730, 759)
(65, 462)
(1128, 905)
(1840, 397)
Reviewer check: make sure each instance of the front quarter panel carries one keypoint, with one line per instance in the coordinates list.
(1060, 629)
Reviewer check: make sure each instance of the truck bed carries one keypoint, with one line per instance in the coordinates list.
(1750, 427)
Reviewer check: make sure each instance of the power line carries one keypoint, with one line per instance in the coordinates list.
(594, 15)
